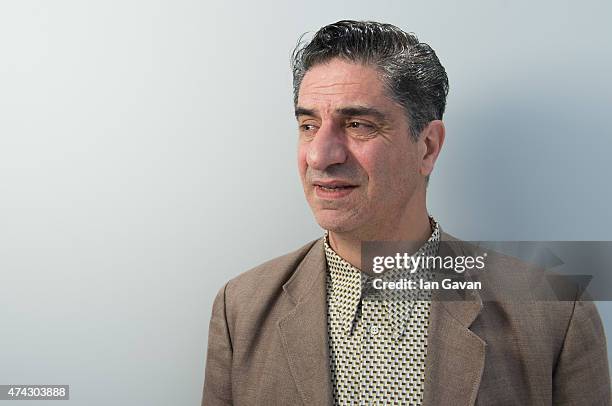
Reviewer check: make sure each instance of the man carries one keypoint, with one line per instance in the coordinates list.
(307, 328)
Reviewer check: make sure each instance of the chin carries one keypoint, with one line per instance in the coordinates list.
(335, 222)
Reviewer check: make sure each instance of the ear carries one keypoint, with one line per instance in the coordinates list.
(431, 140)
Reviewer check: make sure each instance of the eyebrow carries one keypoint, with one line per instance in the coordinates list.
(349, 111)
(301, 111)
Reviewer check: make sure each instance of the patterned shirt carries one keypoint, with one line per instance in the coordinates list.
(377, 337)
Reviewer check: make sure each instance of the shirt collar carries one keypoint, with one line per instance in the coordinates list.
(349, 285)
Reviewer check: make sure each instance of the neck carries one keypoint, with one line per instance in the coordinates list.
(413, 227)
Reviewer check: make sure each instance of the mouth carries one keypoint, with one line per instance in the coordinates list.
(333, 189)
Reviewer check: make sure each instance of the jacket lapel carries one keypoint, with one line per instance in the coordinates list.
(455, 354)
(304, 329)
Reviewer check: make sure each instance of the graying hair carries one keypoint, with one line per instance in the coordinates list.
(410, 70)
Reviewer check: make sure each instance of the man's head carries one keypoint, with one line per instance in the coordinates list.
(369, 99)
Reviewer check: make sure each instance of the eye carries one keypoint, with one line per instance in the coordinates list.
(307, 127)
(360, 129)
(307, 130)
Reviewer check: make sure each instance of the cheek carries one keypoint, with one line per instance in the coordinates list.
(302, 152)
(377, 165)
(389, 168)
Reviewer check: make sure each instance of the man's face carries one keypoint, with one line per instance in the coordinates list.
(358, 165)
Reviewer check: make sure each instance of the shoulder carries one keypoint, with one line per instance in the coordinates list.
(263, 284)
(508, 277)
(273, 272)
(546, 319)
(526, 293)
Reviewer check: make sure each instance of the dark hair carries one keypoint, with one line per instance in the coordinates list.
(410, 69)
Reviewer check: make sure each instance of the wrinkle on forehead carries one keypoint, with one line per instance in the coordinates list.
(348, 91)
(337, 84)
(339, 73)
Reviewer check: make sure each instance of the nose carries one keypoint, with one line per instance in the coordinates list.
(327, 148)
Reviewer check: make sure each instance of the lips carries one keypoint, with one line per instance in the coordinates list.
(336, 185)
(333, 189)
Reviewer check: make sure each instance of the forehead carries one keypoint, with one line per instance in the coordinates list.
(339, 82)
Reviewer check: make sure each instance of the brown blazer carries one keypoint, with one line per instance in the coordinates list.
(268, 343)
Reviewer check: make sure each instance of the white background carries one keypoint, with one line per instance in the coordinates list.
(147, 155)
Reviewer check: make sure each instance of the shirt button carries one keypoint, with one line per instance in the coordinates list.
(374, 330)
